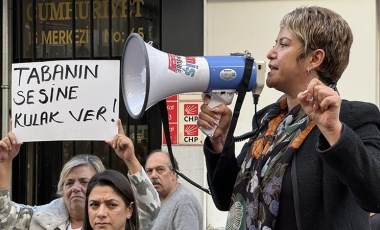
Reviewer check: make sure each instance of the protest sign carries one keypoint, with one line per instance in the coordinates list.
(65, 100)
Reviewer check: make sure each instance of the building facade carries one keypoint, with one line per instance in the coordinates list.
(37, 31)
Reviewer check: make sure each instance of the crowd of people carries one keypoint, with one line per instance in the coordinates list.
(68, 211)
(92, 197)
(313, 161)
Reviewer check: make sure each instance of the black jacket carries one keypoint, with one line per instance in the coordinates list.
(334, 187)
(374, 221)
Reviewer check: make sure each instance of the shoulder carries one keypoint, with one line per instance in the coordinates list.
(182, 202)
(358, 106)
(357, 113)
(56, 210)
(56, 204)
(183, 195)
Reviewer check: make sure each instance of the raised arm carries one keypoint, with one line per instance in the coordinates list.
(12, 215)
(147, 199)
(9, 148)
(125, 149)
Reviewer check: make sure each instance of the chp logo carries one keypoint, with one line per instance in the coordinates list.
(191, 110)
(191, 130)
(191, 133)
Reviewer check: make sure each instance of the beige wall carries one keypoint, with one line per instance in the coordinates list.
(235, 26)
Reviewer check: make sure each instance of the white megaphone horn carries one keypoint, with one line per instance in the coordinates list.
(149, 75)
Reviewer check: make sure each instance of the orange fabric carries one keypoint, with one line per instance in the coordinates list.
(260, 146)
(296, 143)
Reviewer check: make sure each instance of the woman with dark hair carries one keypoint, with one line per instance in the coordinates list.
(110, 203)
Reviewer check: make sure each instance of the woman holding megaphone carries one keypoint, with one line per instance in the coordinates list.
(314, 159)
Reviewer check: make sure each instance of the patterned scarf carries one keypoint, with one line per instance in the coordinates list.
(256, 195)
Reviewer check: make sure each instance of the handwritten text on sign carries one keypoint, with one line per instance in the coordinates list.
(65, 100)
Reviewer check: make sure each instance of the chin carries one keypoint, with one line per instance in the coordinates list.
(78, 204)
(269, 85)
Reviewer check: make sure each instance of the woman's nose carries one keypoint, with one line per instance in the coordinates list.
(102, 211)
(271, 53)
(76, 187)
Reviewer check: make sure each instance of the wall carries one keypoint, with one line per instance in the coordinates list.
(182, 34)
(236, 26)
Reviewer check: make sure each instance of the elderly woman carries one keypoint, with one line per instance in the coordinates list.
(67, 212)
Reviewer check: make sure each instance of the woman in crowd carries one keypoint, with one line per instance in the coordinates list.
(110, 203)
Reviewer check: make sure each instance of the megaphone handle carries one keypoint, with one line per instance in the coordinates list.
(216, 98)
(209, 132)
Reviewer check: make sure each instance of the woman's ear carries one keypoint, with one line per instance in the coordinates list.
(316, 58)
(130, 210)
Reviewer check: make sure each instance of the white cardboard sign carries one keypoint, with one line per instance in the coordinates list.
(65, 100)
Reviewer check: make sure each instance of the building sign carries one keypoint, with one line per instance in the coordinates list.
(113, 21)
(172, 108)
(62, 11)
(65, 100)
(183, 110)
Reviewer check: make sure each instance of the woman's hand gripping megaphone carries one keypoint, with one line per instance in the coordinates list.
(215, 116)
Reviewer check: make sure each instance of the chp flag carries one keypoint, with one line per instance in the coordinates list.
(183, 110)
(189, 133)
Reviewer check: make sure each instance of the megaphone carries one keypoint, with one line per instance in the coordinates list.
(149, 75)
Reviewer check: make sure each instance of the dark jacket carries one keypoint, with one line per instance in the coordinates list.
(374, 221)
(334, 187)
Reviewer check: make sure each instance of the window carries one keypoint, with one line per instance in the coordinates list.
(77, 29)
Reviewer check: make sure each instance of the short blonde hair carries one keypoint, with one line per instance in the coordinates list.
(321, 28)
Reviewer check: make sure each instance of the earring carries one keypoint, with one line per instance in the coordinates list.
(308, 70)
